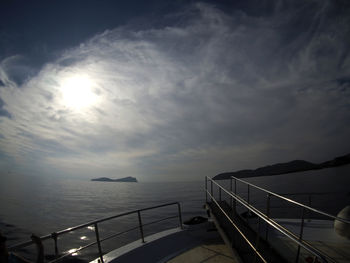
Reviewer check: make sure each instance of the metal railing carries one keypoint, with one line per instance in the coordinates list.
(235, 198)
(305, 208)
(211, 195)
(269, 194)
(54, 236)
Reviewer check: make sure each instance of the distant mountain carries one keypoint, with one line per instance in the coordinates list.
(284, 168)
(125, 179)
(338, 161)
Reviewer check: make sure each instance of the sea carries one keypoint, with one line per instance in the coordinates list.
(42, 205)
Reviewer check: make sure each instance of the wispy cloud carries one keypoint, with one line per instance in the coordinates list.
(218, 91)
(3, 111)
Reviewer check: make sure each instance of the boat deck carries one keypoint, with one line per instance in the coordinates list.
(209, 253)
(257, 236)
(234, 239)
(320, 234)
(198, 243)
(243, 234)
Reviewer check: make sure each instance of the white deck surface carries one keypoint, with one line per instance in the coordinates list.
(194, 243)
(211, 253)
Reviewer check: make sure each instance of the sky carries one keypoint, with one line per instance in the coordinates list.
(171, 90)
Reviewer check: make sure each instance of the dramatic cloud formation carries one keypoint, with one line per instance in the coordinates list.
(216, 91)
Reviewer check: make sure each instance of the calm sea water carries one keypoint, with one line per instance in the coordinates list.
(44, 205)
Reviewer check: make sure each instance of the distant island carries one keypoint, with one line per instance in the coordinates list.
(128, 179)
(284, 168)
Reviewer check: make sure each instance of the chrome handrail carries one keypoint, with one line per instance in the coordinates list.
(95, 223)
(268, 220)
(237, 228)
(292, 201)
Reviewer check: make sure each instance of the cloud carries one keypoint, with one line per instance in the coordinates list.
(217, 91)
(4, 112)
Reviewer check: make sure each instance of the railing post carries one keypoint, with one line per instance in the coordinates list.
(267, 214)
(98, 242)
(220, 194)
(211, 189)
(54, 237)
(206, 190)
(140, 225)
(301, 233)
(180, 215)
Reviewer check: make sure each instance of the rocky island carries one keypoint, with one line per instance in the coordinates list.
(128, 179)
(284, 168)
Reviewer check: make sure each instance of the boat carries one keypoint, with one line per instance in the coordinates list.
(236, 230)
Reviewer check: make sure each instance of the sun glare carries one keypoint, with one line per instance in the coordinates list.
(77, 92)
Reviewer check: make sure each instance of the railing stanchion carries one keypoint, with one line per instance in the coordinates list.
(211, 189)
(301, 233)
(206, 190)
(140, 225)
(98, 242)
(220, 194)
(180, 216)
(235, 194)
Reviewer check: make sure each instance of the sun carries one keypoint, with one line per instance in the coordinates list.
(77, 92)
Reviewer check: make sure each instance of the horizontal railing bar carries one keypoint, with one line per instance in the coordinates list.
(315, 193)
(257, 211)
(92, 223)
(112, 217)
(106, 238)
(134, 228)
(292, 201)
(67, 230)
(118, 234)
(237, 228)
(111, 236)
(274, 224)
(279, 207)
